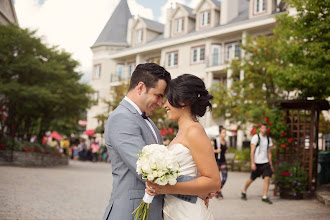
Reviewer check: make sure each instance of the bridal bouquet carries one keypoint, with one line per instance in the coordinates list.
(156, 164)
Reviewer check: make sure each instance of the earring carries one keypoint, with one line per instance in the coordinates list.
(182, 108)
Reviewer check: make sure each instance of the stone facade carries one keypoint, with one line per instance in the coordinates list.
(201, 41)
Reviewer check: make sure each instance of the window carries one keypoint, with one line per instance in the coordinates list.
(220, 80)
(179, 25)
(259, 6)
(154, 60)
(198, 54)
(130, 69)
(95, 97)
(172, 59)
(216, 55)
(139, 36)
(97, 71)
(232, 51)
(205, 18)
(120, 71)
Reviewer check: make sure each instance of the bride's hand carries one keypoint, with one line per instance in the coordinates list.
(156, 189)
(150, 190)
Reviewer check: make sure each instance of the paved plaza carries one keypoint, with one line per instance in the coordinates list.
(81, 191)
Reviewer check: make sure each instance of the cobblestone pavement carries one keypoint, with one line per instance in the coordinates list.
(82, 189)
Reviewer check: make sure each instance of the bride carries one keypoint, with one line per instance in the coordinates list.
(188, 99)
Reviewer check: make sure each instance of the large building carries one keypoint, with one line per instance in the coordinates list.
(7, 12)
(201, 41)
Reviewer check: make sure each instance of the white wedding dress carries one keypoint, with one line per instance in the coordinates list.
(178, 209)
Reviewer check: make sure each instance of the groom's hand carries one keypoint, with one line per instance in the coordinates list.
(206, 198)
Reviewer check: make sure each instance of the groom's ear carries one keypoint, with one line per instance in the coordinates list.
(140, 88)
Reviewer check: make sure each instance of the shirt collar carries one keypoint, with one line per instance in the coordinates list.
(133, 104)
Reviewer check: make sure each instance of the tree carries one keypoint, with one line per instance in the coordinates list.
(246, 100)
(39, 87)
(303, 43)
(295, 59)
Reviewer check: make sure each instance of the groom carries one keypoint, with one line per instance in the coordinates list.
(127, 131)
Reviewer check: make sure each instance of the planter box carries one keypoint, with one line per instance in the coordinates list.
(286, 193)
(31, 159)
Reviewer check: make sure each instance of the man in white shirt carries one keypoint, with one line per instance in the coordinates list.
(261, 161)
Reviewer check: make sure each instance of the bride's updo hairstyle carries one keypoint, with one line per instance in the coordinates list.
(189, 90)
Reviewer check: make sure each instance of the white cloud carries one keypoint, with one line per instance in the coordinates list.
(140, 10)
(72, 25)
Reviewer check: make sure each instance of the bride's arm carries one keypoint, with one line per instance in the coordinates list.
(203, 155)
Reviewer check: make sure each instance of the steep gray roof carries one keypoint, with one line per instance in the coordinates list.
(189, 10)
(115, 31)
(216, 2)
(153, 25)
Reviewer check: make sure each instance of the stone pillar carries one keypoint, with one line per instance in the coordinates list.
(138, 59)
(244, 35)
(229, 79)
(240, 138)
(208, 84)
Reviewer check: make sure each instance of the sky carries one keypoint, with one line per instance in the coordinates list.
(74, 25)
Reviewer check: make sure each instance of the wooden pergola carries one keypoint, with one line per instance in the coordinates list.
(303, 119)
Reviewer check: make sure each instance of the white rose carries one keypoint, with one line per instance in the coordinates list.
(160, 173)
(172, 180)
(151, 177)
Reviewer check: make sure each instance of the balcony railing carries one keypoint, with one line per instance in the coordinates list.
(217, 59)
(119, 77)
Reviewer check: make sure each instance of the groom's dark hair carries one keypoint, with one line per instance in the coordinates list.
(149, 74)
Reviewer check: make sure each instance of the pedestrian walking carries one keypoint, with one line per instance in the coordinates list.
(261, 161)
(220, 150)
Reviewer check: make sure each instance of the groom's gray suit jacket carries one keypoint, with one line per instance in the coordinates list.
(126, 133)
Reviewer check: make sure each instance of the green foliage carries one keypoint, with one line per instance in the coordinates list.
(303, 48)
(242, 154)
(39, 86)
(291, 176)
(246, 100)
(278, 128)
(294, 60)
(9, 143)
(324, 125)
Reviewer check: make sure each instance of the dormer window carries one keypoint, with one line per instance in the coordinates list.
(179, 25)
(139, 36)
(205, 18)
(259, 6)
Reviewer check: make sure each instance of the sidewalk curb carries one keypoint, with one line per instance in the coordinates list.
(323, 194)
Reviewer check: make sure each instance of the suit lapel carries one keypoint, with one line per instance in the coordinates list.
(139, 118)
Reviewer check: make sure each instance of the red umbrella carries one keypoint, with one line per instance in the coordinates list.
(90, 132)
(56, 135)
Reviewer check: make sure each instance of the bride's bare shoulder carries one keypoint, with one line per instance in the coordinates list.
(196, 131)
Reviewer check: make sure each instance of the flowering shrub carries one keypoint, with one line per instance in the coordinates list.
(291, 178)
(9, 143)
(278, 129)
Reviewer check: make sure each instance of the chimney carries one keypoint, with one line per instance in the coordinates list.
(168, 22)
(229, 10)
